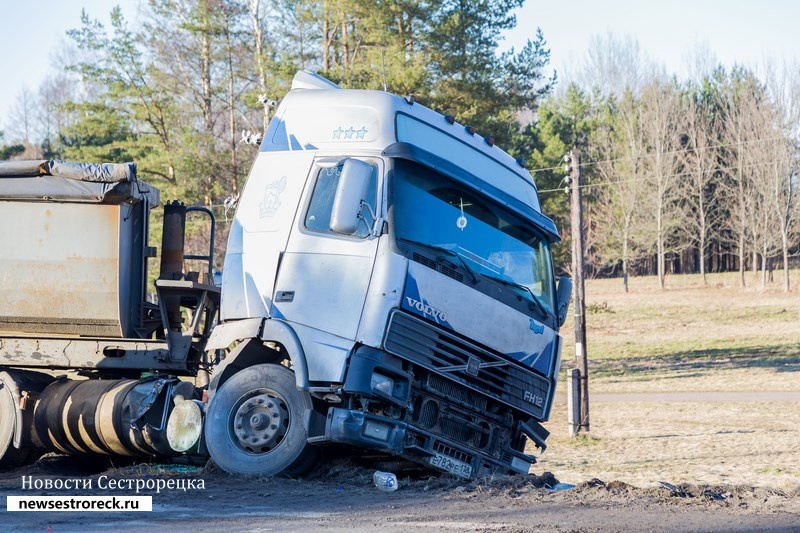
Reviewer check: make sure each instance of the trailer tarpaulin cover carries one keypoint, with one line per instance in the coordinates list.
(61, 181)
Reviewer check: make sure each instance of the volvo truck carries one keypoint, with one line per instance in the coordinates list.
(387, 289)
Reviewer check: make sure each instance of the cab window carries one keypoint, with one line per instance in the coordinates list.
(318, 216)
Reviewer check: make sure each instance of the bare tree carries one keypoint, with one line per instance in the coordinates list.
(52, 114)
(763, 173)
(660, 107)
(622, 190)
(701, 158)
(21, 118)
(614, 65)
(783, 87)
(701, 62)
(614, 70)
(741, 100)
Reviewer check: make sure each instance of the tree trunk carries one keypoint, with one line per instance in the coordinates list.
(345, 49)
(206, 93)
(326, 46)
(258, 37)
(785, 253)
(785, 223)
(625, 258)
(205, 68)
(703, 244)
(234, 183)
(741, 260)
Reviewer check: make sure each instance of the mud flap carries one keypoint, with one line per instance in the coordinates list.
(315, 423)
(536, 432)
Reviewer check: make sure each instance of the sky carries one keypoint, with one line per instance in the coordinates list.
(746, 32)
(31, 33)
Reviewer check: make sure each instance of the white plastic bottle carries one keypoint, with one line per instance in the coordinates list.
(385, 481)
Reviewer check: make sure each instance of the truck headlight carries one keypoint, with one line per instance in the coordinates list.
(382, 383)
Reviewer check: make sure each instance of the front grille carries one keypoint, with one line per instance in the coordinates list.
(429, 414)
(450, 356)
(456, 426)
(456, 393)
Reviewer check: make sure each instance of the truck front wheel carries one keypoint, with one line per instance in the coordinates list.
(255, 424)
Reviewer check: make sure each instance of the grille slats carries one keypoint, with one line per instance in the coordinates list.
(438, 266)
(421, 259)
(439, 350)
(457, 392)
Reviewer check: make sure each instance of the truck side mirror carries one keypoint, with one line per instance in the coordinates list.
(350, 192)
(563, 296)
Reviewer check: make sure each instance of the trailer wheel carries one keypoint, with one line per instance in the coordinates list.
(10, 456)
(255, 424)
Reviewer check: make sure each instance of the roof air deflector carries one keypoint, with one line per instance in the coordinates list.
(306, 79)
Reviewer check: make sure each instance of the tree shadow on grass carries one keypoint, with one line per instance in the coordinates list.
(783, 358)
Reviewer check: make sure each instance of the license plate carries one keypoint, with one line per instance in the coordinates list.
(453, 466)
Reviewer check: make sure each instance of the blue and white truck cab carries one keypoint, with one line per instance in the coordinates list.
(388, 285)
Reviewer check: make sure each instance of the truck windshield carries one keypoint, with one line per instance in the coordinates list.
(433, 210)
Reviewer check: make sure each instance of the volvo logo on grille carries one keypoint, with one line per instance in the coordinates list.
(473, 366)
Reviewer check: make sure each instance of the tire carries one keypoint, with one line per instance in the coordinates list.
(10, 456)
(254, 425)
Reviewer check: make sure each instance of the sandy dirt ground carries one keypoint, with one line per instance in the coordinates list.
(343, 499)
(653, 461)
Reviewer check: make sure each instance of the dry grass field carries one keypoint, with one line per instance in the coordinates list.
(692, 383)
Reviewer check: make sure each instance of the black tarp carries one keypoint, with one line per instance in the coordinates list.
(61, 181)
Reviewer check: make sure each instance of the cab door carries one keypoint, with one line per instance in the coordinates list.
(324, 276)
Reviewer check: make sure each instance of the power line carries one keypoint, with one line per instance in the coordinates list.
(665, 176)
(712, 147)
(633, 158)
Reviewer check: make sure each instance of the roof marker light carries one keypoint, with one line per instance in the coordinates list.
(489, 141)
(410, 99)
(470, 130)
(521, 162)
(450, 119)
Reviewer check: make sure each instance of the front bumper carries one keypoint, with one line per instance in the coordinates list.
(404, 409)
(393, 437)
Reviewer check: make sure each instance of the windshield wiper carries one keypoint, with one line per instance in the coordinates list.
(451, 253)
(535, 299)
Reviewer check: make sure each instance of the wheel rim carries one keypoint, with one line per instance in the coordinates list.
(260, 421)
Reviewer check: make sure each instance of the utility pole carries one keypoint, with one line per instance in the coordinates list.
(578, 287)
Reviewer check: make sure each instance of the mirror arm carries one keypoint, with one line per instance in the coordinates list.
(377, 224)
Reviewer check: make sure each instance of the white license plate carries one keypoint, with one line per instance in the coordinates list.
(453, 466)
